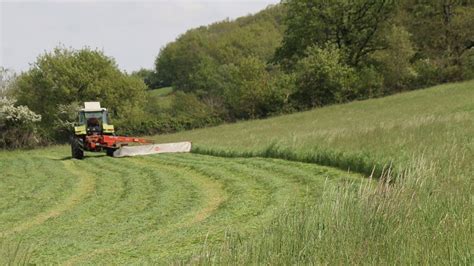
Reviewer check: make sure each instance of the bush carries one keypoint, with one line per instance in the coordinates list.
(18, 125)
(323, 78)
(251, 91)
(370, 83)
(148, 126)
(149, 77)
(428, 73)
(468, 64)
(65, 120)
(394, 61)
(192, 112)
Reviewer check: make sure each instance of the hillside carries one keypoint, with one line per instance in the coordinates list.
(426, 137)
(203, 208)
(392, 128)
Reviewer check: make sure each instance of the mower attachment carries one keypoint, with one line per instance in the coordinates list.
(126, 151)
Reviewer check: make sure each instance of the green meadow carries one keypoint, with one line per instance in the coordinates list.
(381, 181)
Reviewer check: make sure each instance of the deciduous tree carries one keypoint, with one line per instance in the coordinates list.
(352, 26)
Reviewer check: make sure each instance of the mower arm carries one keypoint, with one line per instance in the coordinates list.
(112, 141)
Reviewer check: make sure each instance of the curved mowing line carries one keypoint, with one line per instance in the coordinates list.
(248, 180)
(85, 185)
(158, 209)
(276, 186)
(191, 163)
(214, 197)
(144, 165)
(213, 188)
(110, 172)
(187, 239)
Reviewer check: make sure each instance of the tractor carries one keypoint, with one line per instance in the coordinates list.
(94, 133)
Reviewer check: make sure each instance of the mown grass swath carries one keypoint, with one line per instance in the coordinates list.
(153, 209)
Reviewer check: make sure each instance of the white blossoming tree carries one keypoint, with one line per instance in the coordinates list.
(17, 125)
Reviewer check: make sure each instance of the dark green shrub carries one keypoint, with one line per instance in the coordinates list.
(370, 83)
(323, 78)
(394, 62)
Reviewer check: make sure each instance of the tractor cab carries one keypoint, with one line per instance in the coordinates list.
(93, 120)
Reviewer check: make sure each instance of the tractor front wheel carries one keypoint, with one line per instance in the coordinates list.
(77, 148)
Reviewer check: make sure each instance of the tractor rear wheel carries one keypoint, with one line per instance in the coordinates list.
(77, 148)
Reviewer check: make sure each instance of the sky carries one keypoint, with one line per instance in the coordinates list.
(132, 32)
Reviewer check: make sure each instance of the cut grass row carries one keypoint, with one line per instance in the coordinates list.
(153, 209)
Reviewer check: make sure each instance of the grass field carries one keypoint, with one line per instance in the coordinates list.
(251, 192)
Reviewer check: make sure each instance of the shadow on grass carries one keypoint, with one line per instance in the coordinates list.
(86, 157)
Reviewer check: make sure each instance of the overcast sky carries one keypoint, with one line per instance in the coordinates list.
(131, 32)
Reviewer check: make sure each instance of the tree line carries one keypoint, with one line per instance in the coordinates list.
(321, 52)
(293, 56)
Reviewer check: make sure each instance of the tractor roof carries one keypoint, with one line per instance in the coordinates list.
(92, 107)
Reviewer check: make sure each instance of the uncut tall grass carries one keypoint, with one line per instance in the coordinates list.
(420, 146)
